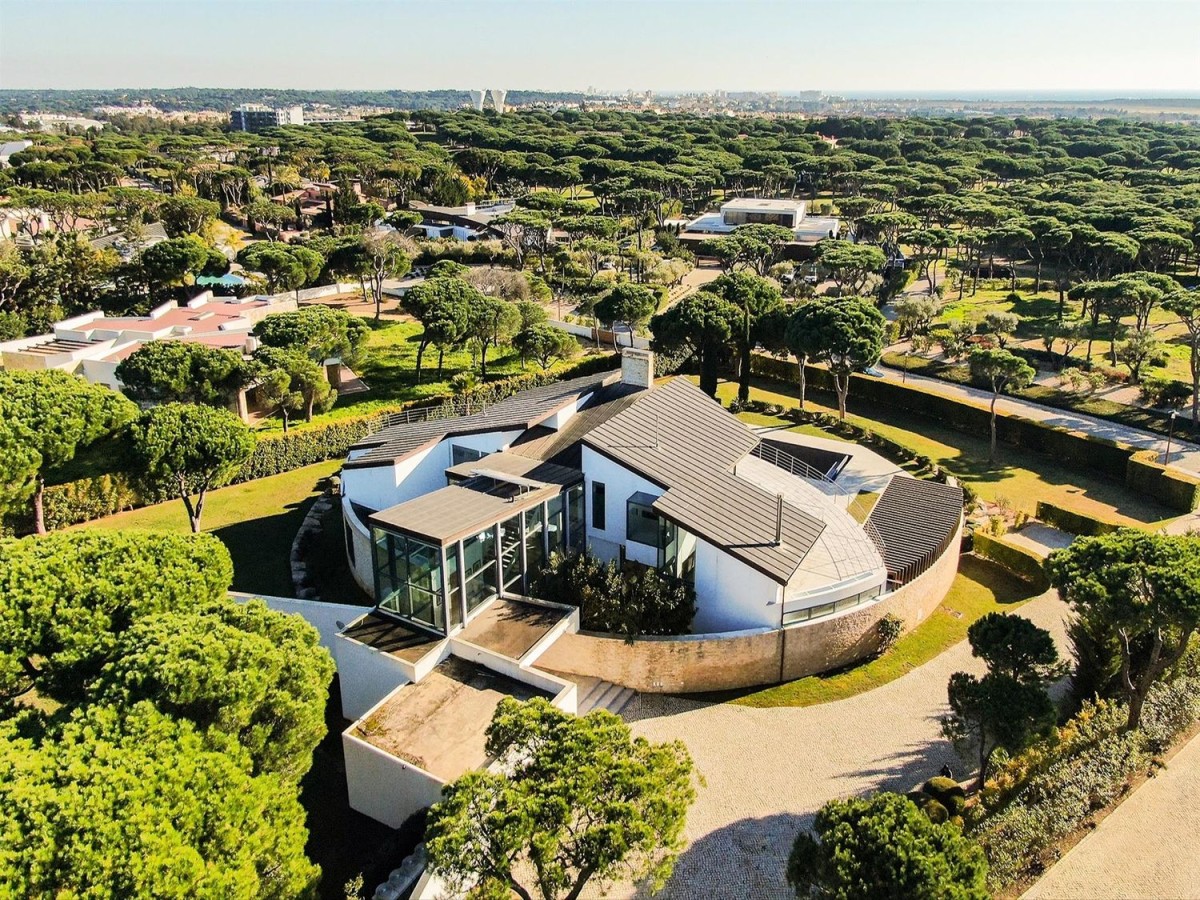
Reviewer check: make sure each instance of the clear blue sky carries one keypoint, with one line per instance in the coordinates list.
(1140, 47)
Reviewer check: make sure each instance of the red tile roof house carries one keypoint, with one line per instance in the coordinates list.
(92, 345)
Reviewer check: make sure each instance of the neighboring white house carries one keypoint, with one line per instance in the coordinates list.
(786, 213)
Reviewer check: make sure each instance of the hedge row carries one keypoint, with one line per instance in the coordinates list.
(104, 495)
(1025, 564)
(1176, 489)
(1111, 459)
(1073, 522)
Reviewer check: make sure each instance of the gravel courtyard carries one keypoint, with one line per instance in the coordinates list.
(767, 771)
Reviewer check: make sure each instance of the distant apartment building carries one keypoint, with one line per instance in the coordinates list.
(257, 117)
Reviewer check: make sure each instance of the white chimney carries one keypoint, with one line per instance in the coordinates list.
(637, 367)
(469, 208)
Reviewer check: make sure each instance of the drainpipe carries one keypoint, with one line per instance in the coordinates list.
(778, 519)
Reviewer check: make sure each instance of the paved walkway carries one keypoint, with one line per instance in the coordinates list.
(1184, 455)
(1149, 847)
(767, 771)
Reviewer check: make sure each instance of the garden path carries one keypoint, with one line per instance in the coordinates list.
(767, 771)
(1148, 847)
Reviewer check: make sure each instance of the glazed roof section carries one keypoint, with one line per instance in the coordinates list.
(679, 438)
(519, 412)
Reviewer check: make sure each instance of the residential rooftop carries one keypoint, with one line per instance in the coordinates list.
(681, 439)
(439, 724)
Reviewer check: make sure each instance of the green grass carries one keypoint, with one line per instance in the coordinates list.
(1018, 476)
(390, 366)
(1047, 395)
(981, 587)
(257, 521)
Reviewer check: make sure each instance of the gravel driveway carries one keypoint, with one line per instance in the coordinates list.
(767, 771)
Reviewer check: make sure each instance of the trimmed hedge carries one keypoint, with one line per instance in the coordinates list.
(1073, 522)
(1112, 459)
(1176, 489)
(85, 499)
(1025, 564)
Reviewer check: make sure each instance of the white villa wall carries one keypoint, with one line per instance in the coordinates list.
(381, 487)
(362, 560)
(619, 485)
(383, 786)
(730, 595)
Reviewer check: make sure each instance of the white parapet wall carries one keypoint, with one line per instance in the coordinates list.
(383, 786)
(328, 618)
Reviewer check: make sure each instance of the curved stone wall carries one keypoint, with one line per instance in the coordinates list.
(716, 662)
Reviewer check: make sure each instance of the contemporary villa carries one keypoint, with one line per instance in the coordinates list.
(795, 546)
(785, 212)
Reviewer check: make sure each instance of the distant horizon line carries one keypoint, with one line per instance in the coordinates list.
(960, 94)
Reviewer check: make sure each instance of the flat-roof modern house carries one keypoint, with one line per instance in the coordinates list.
(787, 213)
(449, 520)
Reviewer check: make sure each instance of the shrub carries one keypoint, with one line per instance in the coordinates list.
(948, 792)
(1071, 521)
(889, 629)
(1023, 563)
(1164, 393)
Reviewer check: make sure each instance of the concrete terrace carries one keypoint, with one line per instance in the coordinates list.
(439, 723)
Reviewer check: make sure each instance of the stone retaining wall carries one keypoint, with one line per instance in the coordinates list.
(717, 662)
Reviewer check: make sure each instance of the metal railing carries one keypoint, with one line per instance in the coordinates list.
(855, 506)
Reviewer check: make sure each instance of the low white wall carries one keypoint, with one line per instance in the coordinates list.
(367, 675)
(383, 786)
(325, 617)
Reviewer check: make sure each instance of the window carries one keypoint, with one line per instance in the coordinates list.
(460, 455)
(350, 545)
(598, 505)
(510, 553)
(556, 527)
(408, 578)
(479, 565)
(454, 586)
(535, 550)
(641, 522)
(575, 517)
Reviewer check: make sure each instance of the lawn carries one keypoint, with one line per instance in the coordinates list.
(981, 587)
(389, 370)
(1020, 477)
(257, 521)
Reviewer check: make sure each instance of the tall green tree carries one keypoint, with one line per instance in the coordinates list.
(1012, 645)
(1186, 306)
(387, 255)
(445, 307)
(1000, 370)
(319, 331)
(848, 334)
(494, 322)
(628, 304)
(884, 847)
(235, 670)
(700, 326)
(52, 415)
(580, 800)
(757, 299)
(1142, 591)
(293, 383)
(993, 712)
(183, 371)
(803, 337)
(187, 450)
(545, 343)
(850, 265)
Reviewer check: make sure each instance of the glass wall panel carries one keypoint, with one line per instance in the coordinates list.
(454, 602)
(556, 524)
(641, 524)
(479, 566)
(535, 551)
(408, 578)
(577, 535)
(510, 553)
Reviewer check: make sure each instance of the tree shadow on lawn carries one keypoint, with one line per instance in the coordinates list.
(261, 549)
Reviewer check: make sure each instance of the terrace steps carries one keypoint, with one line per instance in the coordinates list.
(605, 695)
